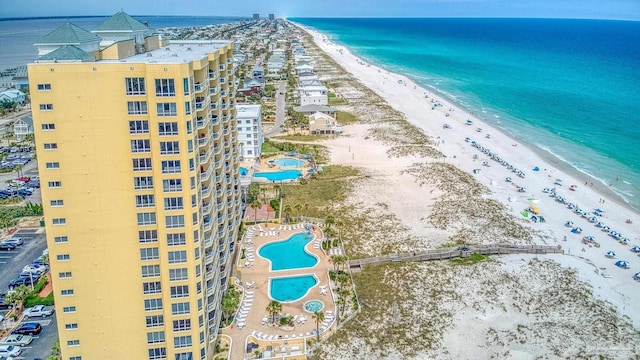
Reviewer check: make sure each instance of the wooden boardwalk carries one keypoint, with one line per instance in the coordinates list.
(445, 254)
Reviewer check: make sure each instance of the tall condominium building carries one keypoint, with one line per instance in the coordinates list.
(250, 131)
(256, 16)
(138, 159)
(272, 17)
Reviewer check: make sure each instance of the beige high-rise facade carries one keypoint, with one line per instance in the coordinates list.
(138, 159)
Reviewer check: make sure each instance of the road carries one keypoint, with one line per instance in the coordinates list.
(11, 264)
(280, 109)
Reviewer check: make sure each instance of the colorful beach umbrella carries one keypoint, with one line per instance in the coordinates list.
(635, 249)
(622, 264)
(568, 223)
(610, 254)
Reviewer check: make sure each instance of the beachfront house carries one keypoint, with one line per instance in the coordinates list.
(312, 109)
(321, 123)
(23, 127)
(249, 130)
(315, 94)
(304, 68)
(13, 95)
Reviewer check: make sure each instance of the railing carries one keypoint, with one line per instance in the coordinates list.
(205, 157)
(200, 87)
(204, 140)
(207, 174)
(202, 123)
(212, 75)
(215, 120)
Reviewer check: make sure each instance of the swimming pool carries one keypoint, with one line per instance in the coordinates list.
(290, 162)
(313, 306)
(288, 289)
(243, 171)
(289, 254)
(279, 175)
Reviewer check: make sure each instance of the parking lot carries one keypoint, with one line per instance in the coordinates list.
(29, 170)
(11, 264)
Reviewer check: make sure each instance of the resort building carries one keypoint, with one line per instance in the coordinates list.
(137, 149)
(250, 131)
(320, 123)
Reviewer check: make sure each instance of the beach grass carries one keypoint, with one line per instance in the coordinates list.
(470, 260)
(346, 118)
(303, 137)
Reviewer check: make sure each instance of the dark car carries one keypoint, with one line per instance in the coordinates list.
(7, 247)
(3, 305)
(23, 280)
(29, 328)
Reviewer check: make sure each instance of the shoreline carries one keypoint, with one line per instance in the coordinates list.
(604, 189)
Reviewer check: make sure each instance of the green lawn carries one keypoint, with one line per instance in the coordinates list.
(346, 118)
(300, 137)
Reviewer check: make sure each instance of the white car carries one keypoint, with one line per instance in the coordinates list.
(38, 310)
(35, 269)
(10, 350)
(16, 339)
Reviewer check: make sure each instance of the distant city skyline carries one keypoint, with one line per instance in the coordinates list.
(586, 9)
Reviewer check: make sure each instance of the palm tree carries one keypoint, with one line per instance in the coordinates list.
(338, 260)
(18, 169)
(319, 316)
(287, 212)
(298, 208)
(342, 279)
(255, 205)
(343, 296)
(328, 221)
(17, 297)
(263, 192)
(274, 309)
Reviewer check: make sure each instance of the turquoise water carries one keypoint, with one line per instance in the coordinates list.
(290, 162)
(290, 289)
(289, 254)
(243, 171)
(313, 305)
(279, 175)
(571, 87)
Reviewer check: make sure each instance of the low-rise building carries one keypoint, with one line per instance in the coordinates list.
(13, 95)
(23, 127)
(313, 95)
(320, 123)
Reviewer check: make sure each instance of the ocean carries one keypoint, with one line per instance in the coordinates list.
(570, 87)
(18, 35)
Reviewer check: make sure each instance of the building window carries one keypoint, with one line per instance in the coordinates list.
(150, 271)
(59, 221)
(184, 356)
(177, 257)
(53, 165)
(166, 109)
(142, 182)
(61, 239)
(46, 107)
(147, 218)
(66, 292)
(139, 146)
(134, 86)
(48, 127)
(194, 218)
(148, 236)
(155, 320)
(197, 253)
(176, 239)
(71, 326)
(157, 353)
(138, 127)
(149, 254)
(182, 341)
(179, 291)
(169, 147)
(69, 309)
(187, 107)
(192, 164)
(189, 127)
(54, 184)
(165, 87)
(173, 203)
(174, 221)
(171, 166)
(63, 257)
(142, 164)
(168, 128)
(73, 343)
(185, 86)
(152, 287)
(75, 358)
(44, 87)
(180, 308)
(145, 201)
(65, 275)
(190, 146)
(172, 185)
(55, 203)
(137, 107)
(152, 304)
(155, 337)
(182, 325)
(198, 273)
(178, 274)
(50, 146)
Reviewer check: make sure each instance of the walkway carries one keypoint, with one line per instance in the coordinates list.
(445, 254)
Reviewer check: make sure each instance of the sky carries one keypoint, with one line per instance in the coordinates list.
(587, 9)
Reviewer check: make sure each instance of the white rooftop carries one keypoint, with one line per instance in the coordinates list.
(248, 111)
(179, 51)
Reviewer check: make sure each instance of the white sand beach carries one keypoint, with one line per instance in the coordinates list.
(412, 203)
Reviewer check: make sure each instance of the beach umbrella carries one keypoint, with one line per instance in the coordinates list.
(625, 241)
(622, 264)
(571, 206)
(636, 277)
(599, 210)
(573, 187)
(610, 254)
(635, 249)
(600, 224)
(606, 229)
(592, 219)
(576, 230)
(589, 238)
(568, 223)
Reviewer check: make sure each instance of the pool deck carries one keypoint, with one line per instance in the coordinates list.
(289, 342)
(265, 167)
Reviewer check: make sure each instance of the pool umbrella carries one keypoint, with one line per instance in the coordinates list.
(636, 249)
(622, 264)
(610, 254)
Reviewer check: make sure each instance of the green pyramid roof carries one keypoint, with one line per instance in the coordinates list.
(67, 52)
(121, 21)
(68, 33)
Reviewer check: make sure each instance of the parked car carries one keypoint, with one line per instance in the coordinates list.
(28, 328)
(38, 310)
(16, 339)
(35, 269)
(7, 247)
(23, 280)
(4, 306)
(10, 350)
(14, 241)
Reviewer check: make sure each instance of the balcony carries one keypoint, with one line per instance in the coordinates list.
(212, 75)
(218, 165)
(213, 91)
(220, 234)
(209, 241)
(200, 87)
(204, 157)
(202, 103)
(224, 105)
(214, 106)
(207, 174)
(206, 191)
(208, 223)
(215, 120)
(227, 155)
(202, 123)
(204, 140)
(223, 93)
(209, 257)
(207, 205)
